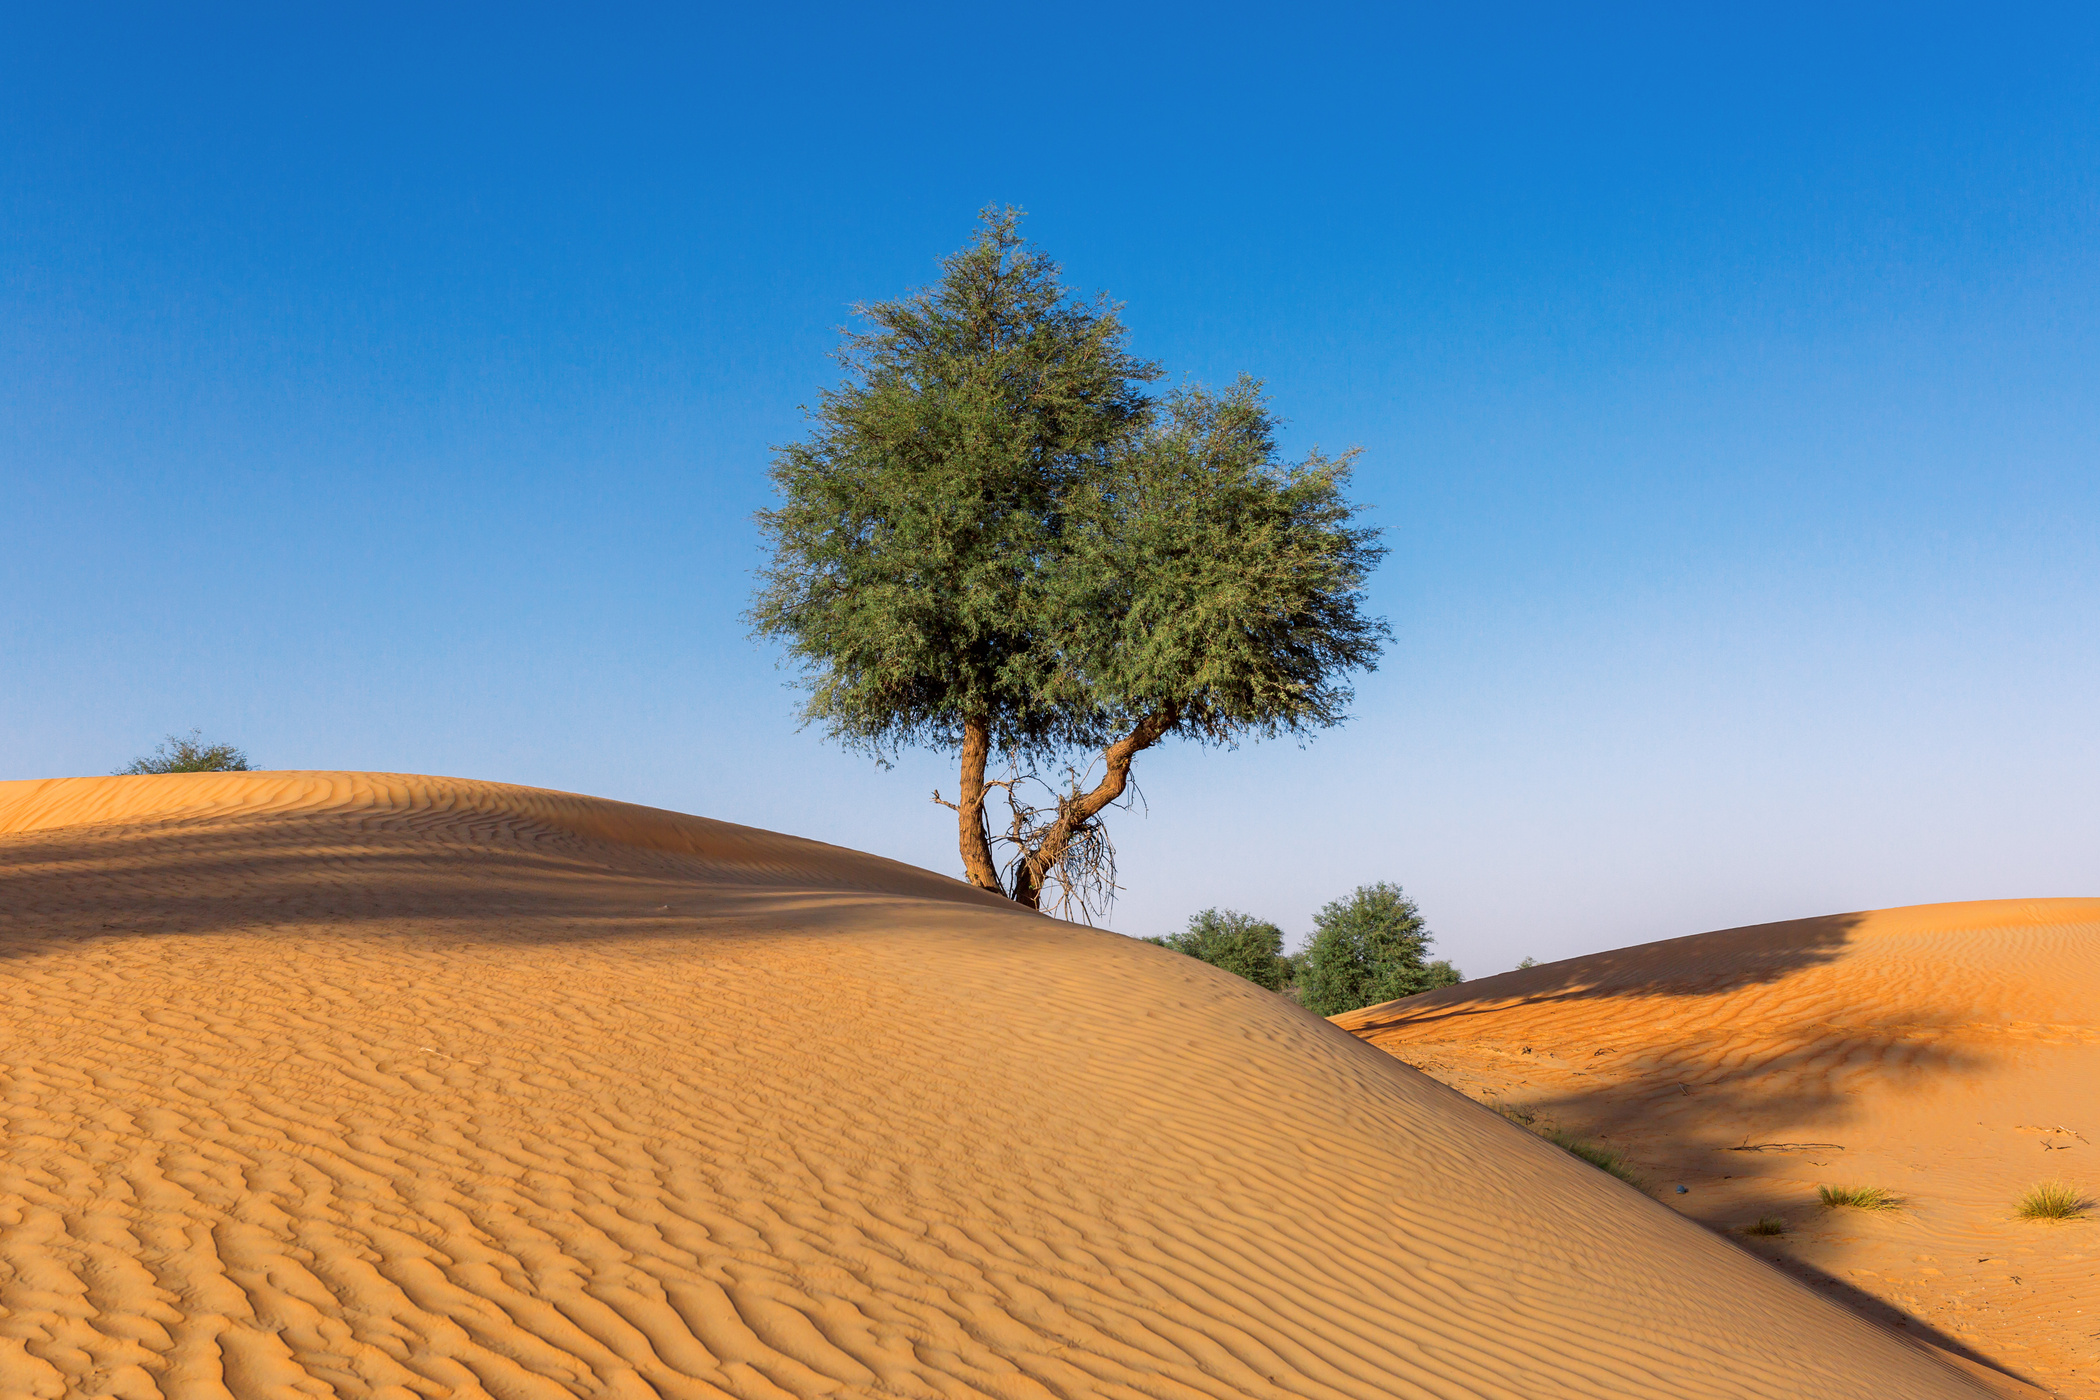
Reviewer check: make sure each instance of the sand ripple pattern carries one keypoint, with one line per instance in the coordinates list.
(370, 1085)
(1950, 1052)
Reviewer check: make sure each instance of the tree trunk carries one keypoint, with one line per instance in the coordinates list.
(975, 840)
(1074, 812)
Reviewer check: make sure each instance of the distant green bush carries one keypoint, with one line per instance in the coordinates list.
(191, 755)
(1240, 943)
(1369, 948)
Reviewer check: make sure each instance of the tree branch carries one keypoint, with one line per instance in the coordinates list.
(1078, 810)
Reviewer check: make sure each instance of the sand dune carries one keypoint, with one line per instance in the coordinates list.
(363, 1085)
(1947, 1052)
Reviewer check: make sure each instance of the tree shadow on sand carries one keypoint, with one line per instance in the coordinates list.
(1721, 961)
(1631, 1117)
(1790, 1072)
(1803, 1081)
(1879, 1311)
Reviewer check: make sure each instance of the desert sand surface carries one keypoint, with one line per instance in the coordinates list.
(365, 1085)
(1949, 1053)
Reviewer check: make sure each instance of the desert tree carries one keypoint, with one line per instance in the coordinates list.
(179, 754)
(1239, 943)
(997, 542)
(1369, 948)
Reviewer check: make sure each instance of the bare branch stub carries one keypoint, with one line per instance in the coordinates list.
(1082, 874)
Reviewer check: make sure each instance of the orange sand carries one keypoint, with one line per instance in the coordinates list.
(360, 1085)
(1948, 1052)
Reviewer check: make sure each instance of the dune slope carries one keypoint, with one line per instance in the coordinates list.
(365, 1085)
(1948, 1053)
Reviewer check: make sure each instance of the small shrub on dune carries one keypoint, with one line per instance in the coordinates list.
(2053, 1200)
(1860, 1197)
(1602, 1158)
(1766, 1225)
(191, 755)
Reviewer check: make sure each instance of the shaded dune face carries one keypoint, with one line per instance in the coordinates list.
(1811, 1026)
(1950, 1053)
(369, 1085)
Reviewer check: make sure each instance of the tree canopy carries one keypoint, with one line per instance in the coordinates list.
(1366, 949)
(189, 755)
(1239, 943)
(996, 541)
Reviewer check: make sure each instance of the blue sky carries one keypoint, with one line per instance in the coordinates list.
(387, 389)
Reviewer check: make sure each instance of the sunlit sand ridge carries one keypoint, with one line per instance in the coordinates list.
(1947, 1053)
(363, 1085)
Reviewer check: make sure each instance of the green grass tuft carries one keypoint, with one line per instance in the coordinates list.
(1601, 1158)
(1766, 1225)
(2053, 1200)
(1860, 1197)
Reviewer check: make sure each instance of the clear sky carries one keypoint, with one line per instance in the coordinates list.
(391, 388)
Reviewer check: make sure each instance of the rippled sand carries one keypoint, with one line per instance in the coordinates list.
(1950, 1053)
(365, 1085)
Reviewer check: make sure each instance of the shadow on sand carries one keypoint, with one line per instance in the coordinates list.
(256, 875)
(1793, 1087)
(259, 874)
(1878, 1310)
(1720, 961)
(1798, 1081)
(1608, 1114)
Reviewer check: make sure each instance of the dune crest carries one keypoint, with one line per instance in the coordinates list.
(1949, 1053)
(455, 807)
(377, 1085)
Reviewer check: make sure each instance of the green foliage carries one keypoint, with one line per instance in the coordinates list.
(2053, 1200)
(995, 539)
(1201, 576)
(190, 755)
(1239, 943)
(1599, 1157)
(918, 543)
(1860, 1197)
(992, 517)
(1603, 1159)
(1367, 949)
